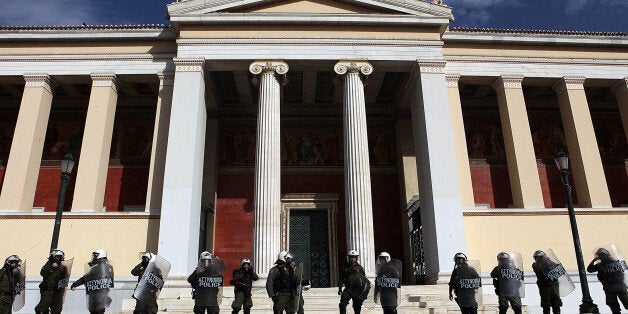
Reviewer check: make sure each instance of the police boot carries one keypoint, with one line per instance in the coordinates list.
(236, 311)
(247, 311)
(517, 309)
(503, 309)
(546, 310)
(343, 308)
(556, 309)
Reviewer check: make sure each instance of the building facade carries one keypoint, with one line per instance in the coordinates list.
(316, 126)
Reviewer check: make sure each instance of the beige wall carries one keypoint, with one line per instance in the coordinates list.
(122, 238)
(82, 48)
(488, 235)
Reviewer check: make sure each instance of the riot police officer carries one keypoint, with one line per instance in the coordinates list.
(242, 282)
(302, 284)
(503, 274)
(353, 278)
(98, 282)
(206, 280)
(8, 282)
(280, 285)
(138, 270)
(548, 289)
(465, 282)
(387, 282)
(52, 287)
(611, 273)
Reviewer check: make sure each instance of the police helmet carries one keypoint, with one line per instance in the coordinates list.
(539, 253)
(245, 261)
(503, 256)
(282, 256)
(57, 253)
(385, 255)
(289, 257)
(98, 254)
(13, 259)
(353, 253)
(206, 256)
(148, 255)
(460, 256)
(602, 252)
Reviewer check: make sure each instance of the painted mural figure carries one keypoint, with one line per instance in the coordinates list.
(280, 285)
(98, 281)
(207, 282)
(10, 284)
(508, 282)
(357, 286)
(612, 271)
(55, 273)
(387, 283)
(466, 283)
(242, 282)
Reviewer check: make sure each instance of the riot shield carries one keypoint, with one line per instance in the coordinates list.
(19, 287)
(511, 276)
(151, 283)
(612, 268)
(468, 287)
(62, 284)
(296, 301)
(387, 283)
(208, 291)
(99, 285)
(367, 293)
(556, 274)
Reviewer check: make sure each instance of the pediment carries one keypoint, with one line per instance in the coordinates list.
(420, 8)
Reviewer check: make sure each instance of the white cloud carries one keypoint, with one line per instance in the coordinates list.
(51, 12)
(478, 11)
(575, 7)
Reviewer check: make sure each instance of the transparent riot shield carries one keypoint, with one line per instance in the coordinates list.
(19, 287)
(388, 283)
(62, 284)
(209, 283)
(99, 284)
(151, 283)
(367, 293)
(511, 276)
(556, 274)
(612, 268)
(468, 285)
(296, 301)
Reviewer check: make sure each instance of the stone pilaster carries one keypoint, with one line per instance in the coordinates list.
(621, 92)
(358, 203)
(522, 169)
(91, 176)
(269, 75)
(160, 143)
(22, 172)
(584, 157)
(462, 155)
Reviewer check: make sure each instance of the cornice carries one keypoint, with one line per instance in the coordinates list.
(600, 62)
(95, 32)
(86, 58)
(310, 42)
(549, 39)
(543, 212)
(73, 215)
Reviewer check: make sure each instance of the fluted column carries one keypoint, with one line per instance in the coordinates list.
(20, 181)
(267, 199)
(587, 169)
(358, 203)
(621, 92)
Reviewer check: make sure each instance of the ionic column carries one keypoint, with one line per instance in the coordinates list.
(22, 172)
(160, 143)
(621, 92)
(584, 156)
(522, 168)
(269, 75)
(183, 174)
(358, 203)
(91, 177)
(462, 155)
(441, 208)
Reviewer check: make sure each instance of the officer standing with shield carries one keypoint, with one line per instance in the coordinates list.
(138, 270)
(548, 285)
(353, 278)
(387, 282)
(207, 282)
(508, 281)
(151, 271)
(611, 270)
(242, 282)
(302, 284)
(98, 281)
(280, 285)
(55, 275)
(11, 276)
(466, 283)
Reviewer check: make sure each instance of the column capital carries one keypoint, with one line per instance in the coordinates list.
(361, 67)
(568, 83)
(166, 78)
(507, 81)
(436, 66)
(189, 65)
(278, 67)
(39, 80)
(452, 80)
(104, 80)
(620, 88)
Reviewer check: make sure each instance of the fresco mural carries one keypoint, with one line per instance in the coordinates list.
(132, 140)
(322, 147)
(64, 133)
(611, 138)
(483, 131)
(548, 136)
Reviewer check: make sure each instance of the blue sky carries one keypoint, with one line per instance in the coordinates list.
(589, 15)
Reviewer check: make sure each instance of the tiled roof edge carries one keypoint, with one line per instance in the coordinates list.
(534, 31)
(83, 27)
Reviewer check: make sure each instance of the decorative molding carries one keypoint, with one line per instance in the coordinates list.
(67, 215)
(620, 88)
(507, 81)
(538, 60)
(277, 67)
(543, 212)
(452, 80)
(309, 42)
(189, 65)
(39, 80)
(85, 58)
(104, 80)
(432, 66)
(166, 79)
(568, 83)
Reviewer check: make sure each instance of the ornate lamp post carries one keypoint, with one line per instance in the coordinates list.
(587, 306)
(67, 164)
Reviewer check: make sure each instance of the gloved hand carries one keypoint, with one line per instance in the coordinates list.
(73, 286)
(306, 288)
(339, 291)
(451, 297)
(274, 298)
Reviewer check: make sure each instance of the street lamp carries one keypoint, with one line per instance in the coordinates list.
(587, 306)
(67, 164)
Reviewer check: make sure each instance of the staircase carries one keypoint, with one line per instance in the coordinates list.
(432, 299)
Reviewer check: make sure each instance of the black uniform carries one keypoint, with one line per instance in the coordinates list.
(280, 287)
(388, 295)
(52, 288)
(464, 272)
(141, 307)
(515, 302)
(98, 299)
(304, 282)
(7, 288)
(206, 287)
(611, 275)
(548, 289)
(242, 282)
(353, 278)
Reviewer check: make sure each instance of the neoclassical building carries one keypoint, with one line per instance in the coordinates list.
(316, 126)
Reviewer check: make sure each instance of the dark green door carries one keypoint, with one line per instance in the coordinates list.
(309, 243)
